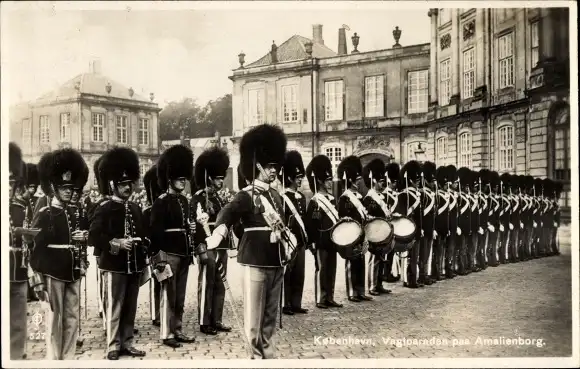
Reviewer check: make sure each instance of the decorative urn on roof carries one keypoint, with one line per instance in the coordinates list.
(131, 91)
(152, 96)
(108, 87)
(355, 39)
(241, 59)
(397, 35)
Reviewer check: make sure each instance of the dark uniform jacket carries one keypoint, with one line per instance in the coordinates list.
(297, 226)
(443, 212)
(109, 222)
(53, 251)
(375, 209)
(211, 204)
(19, 211)
(319, 224)
(256, 247)
(429, 210)
(169, 225)
(464, 204)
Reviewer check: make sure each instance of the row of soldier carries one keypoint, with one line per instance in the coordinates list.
(455, 222)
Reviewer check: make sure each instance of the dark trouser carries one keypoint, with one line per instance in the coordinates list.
(513, 245)
(425, 256)
(492, 247)
(503, 245)
(462, 253)
(122, 291)
(62, 318)
(325, 276)
(472, 247)
(450, 256)
(482, 249)
(411, 264)
(354, 272)
(173, 296)
(387, 267)
(18, 319)
(294, 280)
(438, 257)
(375, 271)
(261, 290)
(210, 288)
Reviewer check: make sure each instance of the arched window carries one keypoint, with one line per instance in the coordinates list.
(441, 150)
(561, 145)
(506, 147)
(335, 155)
(464, 150)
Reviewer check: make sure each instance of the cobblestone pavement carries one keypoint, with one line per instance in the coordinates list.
(531, 300)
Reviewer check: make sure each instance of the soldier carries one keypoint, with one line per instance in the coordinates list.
(56, 253)
(504, 217)
(116, 232)
(441, 226)
(390, 269)
(473, 239)
(32, 183)
(172, 232)
(493, 219)
(482, 197)
(454, 235)
(558, 187)
(321, 216)
(295, 208)
(210, 171)
(464, 221)
(152, 191)
(374, 176)
(266, 243)
(428, 211)
(514, 223)
(18, 256)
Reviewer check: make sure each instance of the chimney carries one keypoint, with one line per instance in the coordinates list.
(317, 34)
(95, 66)
(342, 41)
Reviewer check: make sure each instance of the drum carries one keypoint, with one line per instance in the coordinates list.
(404, 230)
(347, 235)
(379, 233)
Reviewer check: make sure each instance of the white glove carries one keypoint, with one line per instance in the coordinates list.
(422, 233)
(521, 225)
(511, 227)
(556, 224)
(458, 231)
(490, 227)
(435, 234)
(480, 230)
(535, 225)
(213, 241)
(501, 228)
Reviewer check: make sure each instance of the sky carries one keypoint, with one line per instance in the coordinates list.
(176, 52)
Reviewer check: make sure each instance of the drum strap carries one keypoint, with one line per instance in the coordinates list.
(393, 195)
(431, 195)
(466, 198)
(491, 211)
(517, 201)
(296, 215)
(483, 199)
(474, 198)
(453, 202)
(375, 196)
(327, 207)
(357, 204)
(445, 203)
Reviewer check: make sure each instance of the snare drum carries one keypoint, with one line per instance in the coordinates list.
(404, 230)
(347, 235)
(379, 233)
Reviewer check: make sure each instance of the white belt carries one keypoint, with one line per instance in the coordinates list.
(252, 229)
(175, 230)
(60, 246)
(16, 249)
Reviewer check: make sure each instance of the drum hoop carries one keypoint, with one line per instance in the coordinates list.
(341, 222)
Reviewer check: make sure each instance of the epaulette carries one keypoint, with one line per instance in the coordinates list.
(163, 195)
(104, 202)
(247, 188)
(19, 204)
(44, 208)
(199, 192)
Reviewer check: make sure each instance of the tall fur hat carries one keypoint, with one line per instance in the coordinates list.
(152, 189)
(517, 182)
(505, 181)
(429, 170)
(465, 176)
(538, 186)
(263, 144)
(548, 187)
(102, 187)
(350, 168)
(15, 163)
(83, 177)
(485, 176)
(212, 163)
(175, 162)
(558, 188)
(293, 168)
(494, 179)
(320, 168)
(412, 169)
(451, 172)
(375, 168)
(241, 179)
(529, 182)
(119, 164)
(32, 175)
(393, 171)
(441, 174)
(61, 167)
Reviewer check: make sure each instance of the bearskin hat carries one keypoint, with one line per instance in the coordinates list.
(451, 172)
(175, 162)
(350, 168)
(494, 179)
(293, 168)
(505, 181)
(548, 187)
(61, 167)
(485, 176)
(264, 144)
(412, 170)
(529, 183)
(465, 176)
(83, 177)
(101, 186)
(558, 188)
(538, 186)
(15, 163)
(516, 182)
(119, 164)
(441, 175)
(32, 175)
(212, 163)
(376, 169)
(429, 170)
(393, 171)
(241, 179)
(320, 168)
(152, 189)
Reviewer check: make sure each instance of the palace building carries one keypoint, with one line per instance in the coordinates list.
(89, 113)
(489, 90)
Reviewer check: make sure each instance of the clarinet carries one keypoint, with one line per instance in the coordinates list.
(78, 245)
(128, 235)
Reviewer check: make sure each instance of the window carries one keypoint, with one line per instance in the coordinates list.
(333, 100)
(441, 148)
(289, 103)
(98, 127)
(445, 81)
(122, 129)
(464, 150)
(26, 134)
(44, 129)
(562, 153)
(444, 16)
(506, 61)
(535, 44)
(335, 156)
(65, 127)
(468, 73)
(256, 106)
(374, 96)
(506, 154)
(143, 131)
(418, 91)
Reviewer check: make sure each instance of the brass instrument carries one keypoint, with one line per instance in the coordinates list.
(188, 222)
(128, 235)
